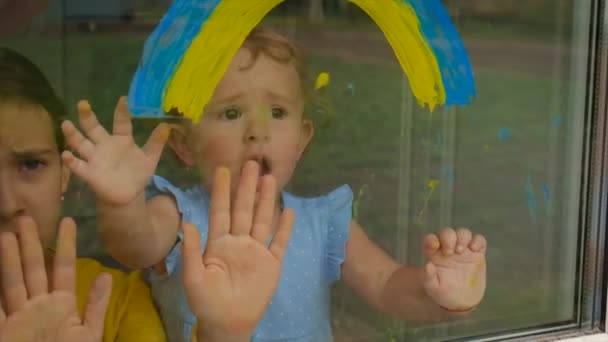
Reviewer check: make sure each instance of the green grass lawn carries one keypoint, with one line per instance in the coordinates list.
(387, 149)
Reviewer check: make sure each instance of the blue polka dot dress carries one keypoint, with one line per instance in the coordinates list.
(300, 307)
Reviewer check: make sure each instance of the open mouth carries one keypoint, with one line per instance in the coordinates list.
(265, 165)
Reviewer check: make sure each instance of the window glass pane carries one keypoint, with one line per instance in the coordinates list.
(508, 166)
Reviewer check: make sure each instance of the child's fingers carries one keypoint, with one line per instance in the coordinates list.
(219, 209)
(76, 140)
(89, 124)
(242, 210)
(464, 238)
(78, 166)
(191, 249)
(431, 245)
(11, 275)
(95, 311)
(447, 238)
(193, 264)
(2, 313)
(279, 243)
(32, 258)
(156, 142)
(262, 222)
(64, 266)
(478, 243)
(122, 118)
(431, 278)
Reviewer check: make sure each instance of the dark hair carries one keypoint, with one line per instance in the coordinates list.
(22, 80)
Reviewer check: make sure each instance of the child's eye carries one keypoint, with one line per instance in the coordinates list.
(278, 113)
(31, 165)
(231, 114)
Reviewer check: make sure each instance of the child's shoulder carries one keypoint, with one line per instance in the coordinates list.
(88, 269)
(342, 194)
(184, 197)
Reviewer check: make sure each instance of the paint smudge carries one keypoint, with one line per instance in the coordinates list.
(448, 173)
(360, 194)
(473, 280)
(531, 200)
(504, 133)
(322, 80)
(547, 198)
(557, 121)
(431, 185)
(351, 88)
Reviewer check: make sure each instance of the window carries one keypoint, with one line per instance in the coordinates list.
(525, 164)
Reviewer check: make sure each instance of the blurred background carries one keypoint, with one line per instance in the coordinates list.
(508, 166)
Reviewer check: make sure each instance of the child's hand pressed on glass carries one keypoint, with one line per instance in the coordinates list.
(230, 286)
(112, 164)
(34, 309)
(455, 272)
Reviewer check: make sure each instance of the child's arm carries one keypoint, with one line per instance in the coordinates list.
(136, 234)
(451, 283)
(231, 285)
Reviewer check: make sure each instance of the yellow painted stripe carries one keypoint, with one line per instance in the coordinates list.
(208, 57)
(400, 25)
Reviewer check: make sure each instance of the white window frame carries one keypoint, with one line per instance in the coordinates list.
(599, 194)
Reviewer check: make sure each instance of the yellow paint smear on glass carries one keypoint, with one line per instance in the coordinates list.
(400, 25)
(431, 184)
(473, 280)
(322, 80)
(209, 56)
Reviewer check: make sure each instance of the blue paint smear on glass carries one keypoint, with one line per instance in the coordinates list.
(531, 199)
(448, 173)
(444, 40)
(557, 121)
(547, 196)
(163, 52)
(504, 133)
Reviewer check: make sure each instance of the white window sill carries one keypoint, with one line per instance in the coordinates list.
(588, 338)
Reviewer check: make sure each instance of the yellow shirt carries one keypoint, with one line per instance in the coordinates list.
(131, 315)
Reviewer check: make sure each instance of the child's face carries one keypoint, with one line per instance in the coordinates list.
(255, 113)
(32, 178)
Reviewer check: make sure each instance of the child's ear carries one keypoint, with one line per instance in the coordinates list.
(178, 141)
(308, 130)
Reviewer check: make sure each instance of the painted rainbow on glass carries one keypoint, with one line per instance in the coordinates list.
(192, 46)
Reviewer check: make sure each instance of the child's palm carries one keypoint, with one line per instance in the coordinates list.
(230, 286)
(112, 165)
(238, 280)
(30, 310)
(455, 269)
(51, 317)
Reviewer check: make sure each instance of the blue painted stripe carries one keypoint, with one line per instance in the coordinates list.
(163, 52)
(443, 38)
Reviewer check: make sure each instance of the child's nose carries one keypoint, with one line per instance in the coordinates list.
(259, 129)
